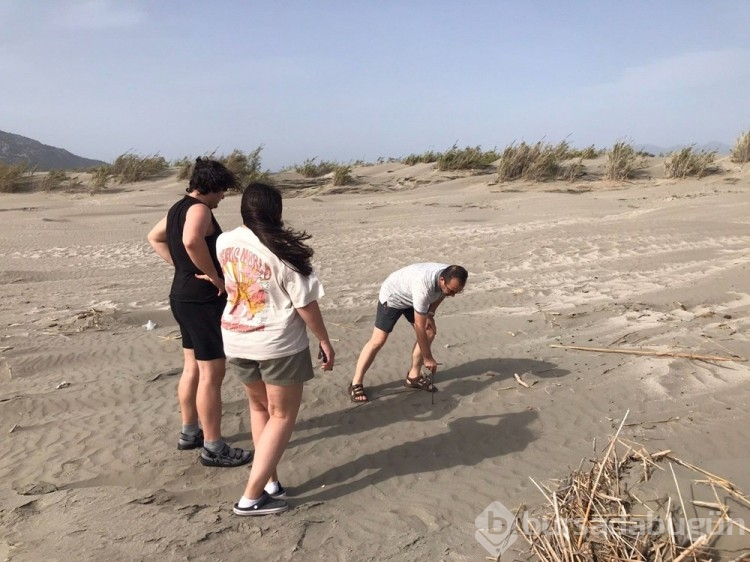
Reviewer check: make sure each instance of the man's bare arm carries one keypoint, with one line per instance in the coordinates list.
(158, 240)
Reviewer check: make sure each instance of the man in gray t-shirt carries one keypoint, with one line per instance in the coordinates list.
(415, 292)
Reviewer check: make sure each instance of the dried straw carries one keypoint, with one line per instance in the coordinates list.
(590, 514)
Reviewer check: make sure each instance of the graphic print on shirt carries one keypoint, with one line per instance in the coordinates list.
(246, 278)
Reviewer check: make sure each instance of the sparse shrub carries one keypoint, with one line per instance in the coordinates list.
(740, 152)
(425, 158)
(130, 168)
(54, 180)
(575, 170)
(533, 162)
(469, 158)
(14, 176)
(184, 166)
(100, 176)
(587, 153)
(184, 171)
(245, 166)
(688, 162)
(623, 161)
(310, 169)
(342, 175)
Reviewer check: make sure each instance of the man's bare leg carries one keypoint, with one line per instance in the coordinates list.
(208, 399)
(368, 353)
(416, 357)
(187, 388)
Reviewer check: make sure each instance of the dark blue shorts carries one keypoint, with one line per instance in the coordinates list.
(386, 317)
(200, 326)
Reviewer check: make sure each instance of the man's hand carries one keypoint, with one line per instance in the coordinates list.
(218, 282)
(326, 355)
(430, 364)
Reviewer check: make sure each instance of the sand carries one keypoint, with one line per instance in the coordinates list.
(88, 412)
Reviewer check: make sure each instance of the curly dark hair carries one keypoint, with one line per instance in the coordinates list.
(211, 176)
(261, 212)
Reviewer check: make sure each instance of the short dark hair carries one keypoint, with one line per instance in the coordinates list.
(455, 272)
(211, 176)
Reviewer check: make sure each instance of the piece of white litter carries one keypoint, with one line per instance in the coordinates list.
(150, 325)
(63, 384)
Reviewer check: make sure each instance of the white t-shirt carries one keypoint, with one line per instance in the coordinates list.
(260, 321)
(415, 286)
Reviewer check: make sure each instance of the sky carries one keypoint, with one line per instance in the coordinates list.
(349, 80)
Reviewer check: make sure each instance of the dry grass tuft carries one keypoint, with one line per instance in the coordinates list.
(425, 158)
(623, 161)
(246, 166)
(599, 512)
(131, 168)
(469, 158)
(740, 152)
(342, 175)
(534, 162)
(13, 177)
(310, 169)
(689, 162)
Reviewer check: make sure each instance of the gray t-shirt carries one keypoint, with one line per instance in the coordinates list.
(414, 286)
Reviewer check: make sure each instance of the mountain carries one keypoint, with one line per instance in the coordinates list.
(15, 149)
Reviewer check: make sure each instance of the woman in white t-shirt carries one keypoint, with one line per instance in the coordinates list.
(272, 294)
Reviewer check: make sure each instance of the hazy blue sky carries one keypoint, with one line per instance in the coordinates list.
(346, 79)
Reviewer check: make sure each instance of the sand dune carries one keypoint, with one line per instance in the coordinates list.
(88, 413)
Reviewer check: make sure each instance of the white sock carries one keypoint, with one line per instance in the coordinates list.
(272, 487)
(246, 502)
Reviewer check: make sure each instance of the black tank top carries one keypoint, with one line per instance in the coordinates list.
(185, 286)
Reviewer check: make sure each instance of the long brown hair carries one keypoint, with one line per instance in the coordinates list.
(261, 212)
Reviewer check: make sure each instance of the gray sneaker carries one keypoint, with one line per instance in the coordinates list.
(228, 457)
(266, 506)
(188, 441)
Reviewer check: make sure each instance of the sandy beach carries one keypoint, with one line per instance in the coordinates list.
(88, 410)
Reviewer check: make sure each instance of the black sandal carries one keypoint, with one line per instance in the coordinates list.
(357, 393)
(420, 383)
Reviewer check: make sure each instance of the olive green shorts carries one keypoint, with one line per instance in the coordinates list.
(284, 371)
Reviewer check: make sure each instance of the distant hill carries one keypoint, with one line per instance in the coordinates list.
(15, 149)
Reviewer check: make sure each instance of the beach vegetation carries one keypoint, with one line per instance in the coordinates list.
(588, 153)
(623, 161)
(54, 179)
(427, 157)
(100, 176)
(740, 152)
(184, 166)
(311, 169)
(469, 158)
(13, 177)
(246, 166)
(689, 162)
(533, 162)
(342, 175)
(131, 168)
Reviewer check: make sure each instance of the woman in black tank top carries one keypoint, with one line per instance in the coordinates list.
(186, 239)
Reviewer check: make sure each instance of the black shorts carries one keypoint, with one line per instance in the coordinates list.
(386, 317)
(200, 326)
